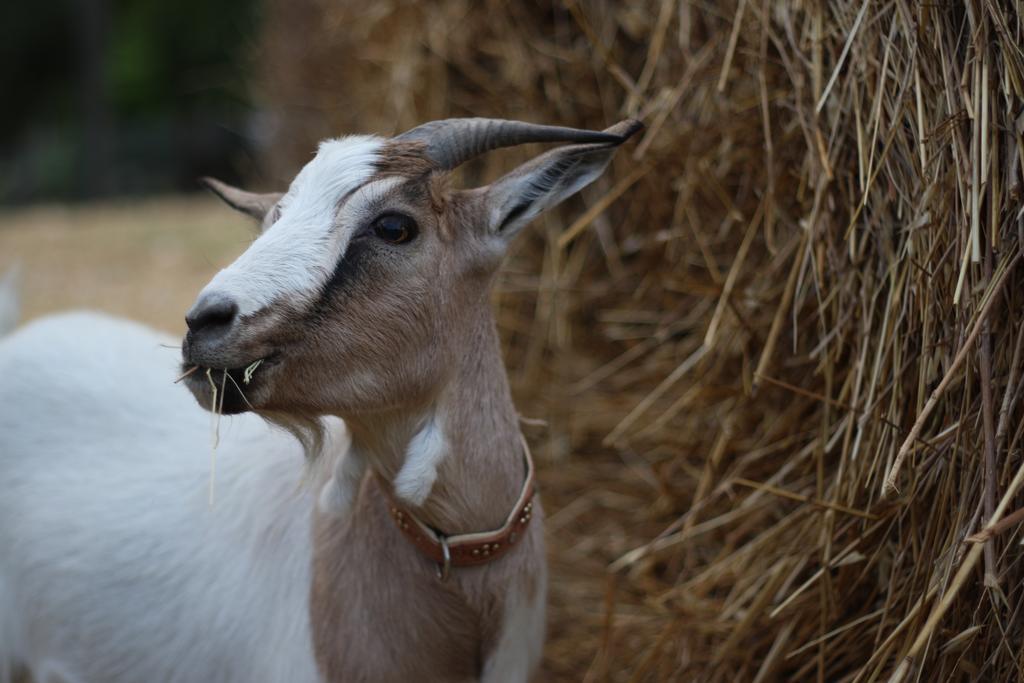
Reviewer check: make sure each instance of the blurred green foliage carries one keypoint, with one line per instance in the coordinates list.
(123, 96)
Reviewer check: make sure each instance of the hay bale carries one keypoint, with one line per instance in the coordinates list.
(780, 368)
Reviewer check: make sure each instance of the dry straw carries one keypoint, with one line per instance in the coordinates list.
(779, 358)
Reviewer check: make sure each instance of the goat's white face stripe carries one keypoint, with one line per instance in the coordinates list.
(298, 253)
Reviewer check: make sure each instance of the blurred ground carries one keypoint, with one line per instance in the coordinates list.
(145, 260)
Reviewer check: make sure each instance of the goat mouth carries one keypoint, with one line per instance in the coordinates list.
(227, 390)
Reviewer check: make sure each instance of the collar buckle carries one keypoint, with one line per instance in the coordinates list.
(444, 567)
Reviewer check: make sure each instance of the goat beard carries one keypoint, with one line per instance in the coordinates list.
(309, 431)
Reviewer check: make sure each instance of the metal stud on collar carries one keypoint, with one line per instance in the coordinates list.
(443, 568)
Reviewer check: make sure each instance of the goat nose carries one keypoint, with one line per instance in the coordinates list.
(212, 311)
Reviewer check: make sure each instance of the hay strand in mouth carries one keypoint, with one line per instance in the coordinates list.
(247, 373)
(186, 373)
(241, 393)
(217, 409)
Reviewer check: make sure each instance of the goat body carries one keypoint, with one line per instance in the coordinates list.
(116, 567)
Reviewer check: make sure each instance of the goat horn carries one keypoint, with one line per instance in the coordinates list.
(451, 142)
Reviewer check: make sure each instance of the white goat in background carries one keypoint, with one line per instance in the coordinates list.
(9, 304)
(411, 557)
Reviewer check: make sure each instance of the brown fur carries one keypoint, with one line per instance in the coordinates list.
(405, 159)
(408, 160)
(380, 614)
(365, 627)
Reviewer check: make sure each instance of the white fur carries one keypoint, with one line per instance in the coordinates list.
(298, 253)
(367, 202)
(113, 566)
(340, 491)
(521, 643)
(422, 457)
(10, 306)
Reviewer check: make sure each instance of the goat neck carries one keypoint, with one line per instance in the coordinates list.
(472, 483)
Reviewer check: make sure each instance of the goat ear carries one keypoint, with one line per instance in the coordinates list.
(544, 182)
(250, 203)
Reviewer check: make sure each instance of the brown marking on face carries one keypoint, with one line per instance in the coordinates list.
(439, 188)
(407, 159)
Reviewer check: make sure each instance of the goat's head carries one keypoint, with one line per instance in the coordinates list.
(357, 293)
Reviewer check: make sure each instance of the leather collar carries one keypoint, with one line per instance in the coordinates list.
(465, 550)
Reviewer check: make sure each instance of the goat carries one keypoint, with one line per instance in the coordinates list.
(365, 298)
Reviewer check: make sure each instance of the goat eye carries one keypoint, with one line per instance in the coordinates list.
(395, 228)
